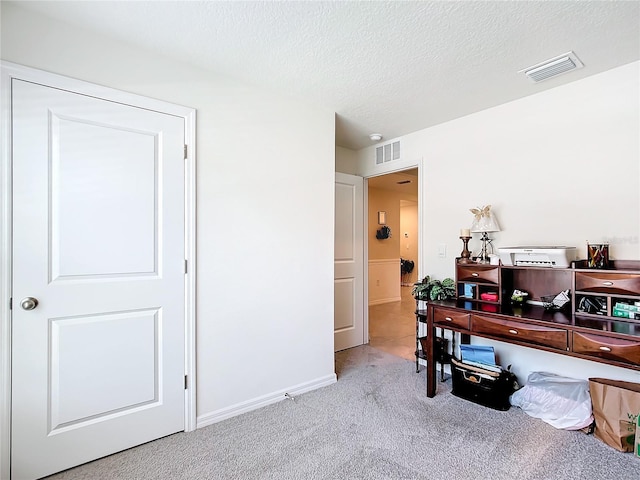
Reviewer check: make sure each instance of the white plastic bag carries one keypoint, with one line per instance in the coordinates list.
(560, 401)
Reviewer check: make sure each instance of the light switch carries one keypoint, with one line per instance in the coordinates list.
(442, 250)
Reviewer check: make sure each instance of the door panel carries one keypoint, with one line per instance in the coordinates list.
(77, 173)
(90, 360)
(98, 236)
(344, 304)
(349, 262)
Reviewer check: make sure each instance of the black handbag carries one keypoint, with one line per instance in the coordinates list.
(483, 386)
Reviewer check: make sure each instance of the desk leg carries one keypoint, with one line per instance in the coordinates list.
(431, 361)
(442, 355)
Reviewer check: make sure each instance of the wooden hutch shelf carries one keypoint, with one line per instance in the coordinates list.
(587, 329)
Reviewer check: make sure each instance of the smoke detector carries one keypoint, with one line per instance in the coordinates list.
(554, 66)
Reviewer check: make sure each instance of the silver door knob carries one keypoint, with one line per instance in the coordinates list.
(29, 303)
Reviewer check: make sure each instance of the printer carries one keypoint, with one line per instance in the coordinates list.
(545, 256)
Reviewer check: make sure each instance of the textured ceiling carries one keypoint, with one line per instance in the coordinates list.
(387, 67)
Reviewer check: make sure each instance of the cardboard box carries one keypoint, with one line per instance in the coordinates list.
(637, 449)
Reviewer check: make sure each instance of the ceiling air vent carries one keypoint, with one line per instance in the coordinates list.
(396, 150)
(555, 66)
(388, 152)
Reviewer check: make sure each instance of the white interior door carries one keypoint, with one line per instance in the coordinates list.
(349, 262)
(98, 241)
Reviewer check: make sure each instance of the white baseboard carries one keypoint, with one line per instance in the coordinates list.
(384, 300)
(259, 402)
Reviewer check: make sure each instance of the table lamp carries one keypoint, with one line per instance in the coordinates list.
(484, 222)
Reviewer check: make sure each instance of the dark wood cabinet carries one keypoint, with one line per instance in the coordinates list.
(520, 331)
(479, 283)
(612, 348)
(598, 293)
(452, 317)
(608, 283)
(597, 335)
(538, 282)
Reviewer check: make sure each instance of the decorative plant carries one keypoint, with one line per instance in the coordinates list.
(421, 289)
(428, 289)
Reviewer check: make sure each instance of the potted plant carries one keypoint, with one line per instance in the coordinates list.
(432, 289)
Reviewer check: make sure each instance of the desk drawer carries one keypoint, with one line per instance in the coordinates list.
(482, 274)
(607, 347)
(452, 318)
(524, 332)
(603, 282)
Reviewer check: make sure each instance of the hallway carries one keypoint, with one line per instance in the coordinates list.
(392, 326)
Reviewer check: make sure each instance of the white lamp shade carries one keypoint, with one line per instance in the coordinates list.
(485, 223)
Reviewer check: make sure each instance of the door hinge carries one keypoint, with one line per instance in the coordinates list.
(185, 382)
(11, 303)
(185, 152)
(185, 266)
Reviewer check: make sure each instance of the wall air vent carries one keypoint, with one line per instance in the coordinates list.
(555, 66)
(388, 152)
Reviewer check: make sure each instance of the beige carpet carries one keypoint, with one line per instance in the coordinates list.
(374, 423)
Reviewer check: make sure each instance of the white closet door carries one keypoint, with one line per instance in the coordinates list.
(98, 243)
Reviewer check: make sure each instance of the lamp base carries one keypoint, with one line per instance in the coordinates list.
(484, 255)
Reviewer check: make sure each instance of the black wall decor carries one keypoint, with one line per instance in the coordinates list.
(383, 233)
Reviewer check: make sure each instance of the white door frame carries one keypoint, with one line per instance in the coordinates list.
(9, 72)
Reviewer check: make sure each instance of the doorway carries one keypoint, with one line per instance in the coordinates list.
(392, 261)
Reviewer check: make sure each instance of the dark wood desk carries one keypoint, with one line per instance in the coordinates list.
(599, 340)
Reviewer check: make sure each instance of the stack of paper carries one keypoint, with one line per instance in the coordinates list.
(479, 356)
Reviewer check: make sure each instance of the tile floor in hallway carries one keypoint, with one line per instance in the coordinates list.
(392, 326)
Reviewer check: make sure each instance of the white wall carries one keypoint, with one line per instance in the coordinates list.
(559, 167)
(346, 160)
(265, 167)
(409, 243)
